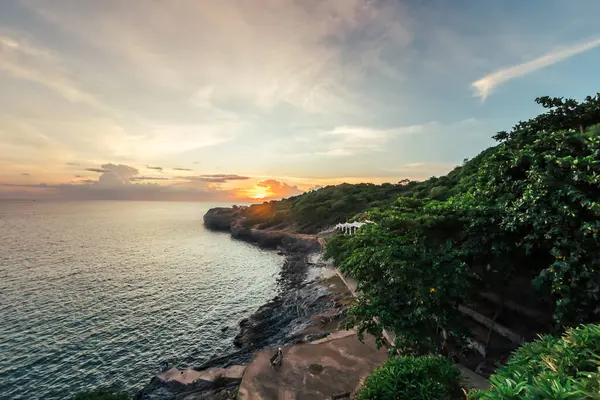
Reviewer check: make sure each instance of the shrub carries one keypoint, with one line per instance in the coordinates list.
(551, 368)
(101, 395)
(413, 378)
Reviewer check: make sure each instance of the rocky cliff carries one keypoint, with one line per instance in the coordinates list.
(233, 220)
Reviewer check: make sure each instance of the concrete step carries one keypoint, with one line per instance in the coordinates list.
(473, 380)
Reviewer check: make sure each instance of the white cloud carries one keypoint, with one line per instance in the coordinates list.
(486, 85)
(116, 175)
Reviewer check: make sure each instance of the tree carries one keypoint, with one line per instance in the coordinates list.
(563, 114)
(410, 275)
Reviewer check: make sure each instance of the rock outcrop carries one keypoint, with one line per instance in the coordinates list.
(233, 220)
(221, 218)
(189, 384)
(278, 321)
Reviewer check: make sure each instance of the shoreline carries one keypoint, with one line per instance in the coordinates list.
(304, 310)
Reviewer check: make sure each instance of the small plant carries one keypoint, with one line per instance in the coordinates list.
(413, 378)
(101, 395)
(551, 368)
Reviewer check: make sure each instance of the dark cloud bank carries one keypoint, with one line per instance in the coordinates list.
(122, 182)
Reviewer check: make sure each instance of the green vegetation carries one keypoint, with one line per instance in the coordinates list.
(409, 274)
(527, 207)
(413, 378)
(101, 395)
(320, 209)
(316, 210)
(551, 368)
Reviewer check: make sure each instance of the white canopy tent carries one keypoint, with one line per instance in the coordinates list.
(350, 227)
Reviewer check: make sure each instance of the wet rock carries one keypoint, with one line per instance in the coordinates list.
(192, 384)
(275, 322)
(315, 336)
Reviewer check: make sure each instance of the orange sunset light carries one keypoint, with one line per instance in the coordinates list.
(260, 192)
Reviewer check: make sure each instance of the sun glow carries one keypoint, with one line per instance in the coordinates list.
(259, 192)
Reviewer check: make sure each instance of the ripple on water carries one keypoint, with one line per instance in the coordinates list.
(100, 293)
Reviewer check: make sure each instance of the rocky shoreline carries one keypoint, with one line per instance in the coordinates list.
(233, 220)
(290, 317)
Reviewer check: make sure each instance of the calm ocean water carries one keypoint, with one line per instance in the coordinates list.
(100, 293)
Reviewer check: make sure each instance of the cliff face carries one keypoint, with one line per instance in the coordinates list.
(220, 218)
(232, 220)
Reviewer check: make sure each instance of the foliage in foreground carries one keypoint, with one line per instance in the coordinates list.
(409, 274)
(528, 207)
(551, 368)
(101, 395)
(413, 378)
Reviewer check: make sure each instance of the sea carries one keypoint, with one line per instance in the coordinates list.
(101, 293)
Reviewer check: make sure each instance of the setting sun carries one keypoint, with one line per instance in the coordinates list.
(260, 192)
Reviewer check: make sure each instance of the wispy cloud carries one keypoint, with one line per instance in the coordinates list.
(350, 140)
(310, 67)
(148, 178)
(486, 85)
(215, 178)
(28, 62)
(98, 170)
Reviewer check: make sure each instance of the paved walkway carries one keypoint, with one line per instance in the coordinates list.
(316, 370)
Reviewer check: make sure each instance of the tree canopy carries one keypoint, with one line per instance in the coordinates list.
(527, 207)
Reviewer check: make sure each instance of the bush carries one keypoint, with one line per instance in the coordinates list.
(101, 395)
(551, 368)
(413, 378)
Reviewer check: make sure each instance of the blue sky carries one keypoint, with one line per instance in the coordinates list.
(266, 99)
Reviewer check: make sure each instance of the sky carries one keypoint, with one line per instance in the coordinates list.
(254, 100)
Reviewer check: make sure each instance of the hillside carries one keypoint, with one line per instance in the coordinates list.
(520, 221)
(320, 209)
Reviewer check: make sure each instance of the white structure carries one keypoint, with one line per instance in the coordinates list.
(350, 227)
